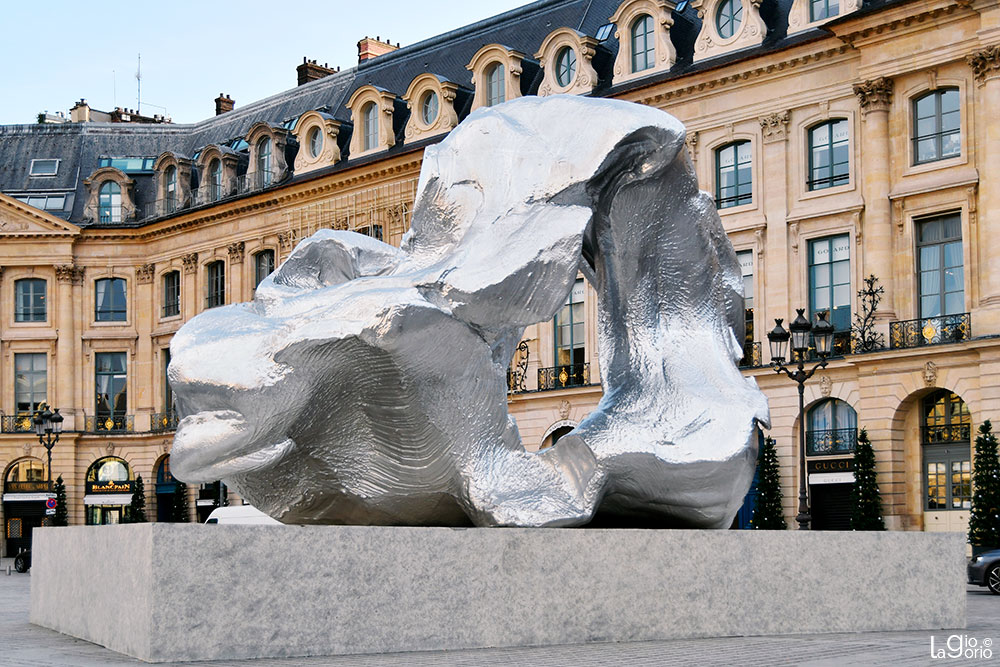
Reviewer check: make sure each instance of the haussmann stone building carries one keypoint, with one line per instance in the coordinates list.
(841, 139)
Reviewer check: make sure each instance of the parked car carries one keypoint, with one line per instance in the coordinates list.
(984, 570)
(240, 514)
(22, 561)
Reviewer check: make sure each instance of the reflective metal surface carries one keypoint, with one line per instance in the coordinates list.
(367, 384)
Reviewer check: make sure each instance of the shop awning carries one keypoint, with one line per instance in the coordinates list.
(108, 499)
(26, 497)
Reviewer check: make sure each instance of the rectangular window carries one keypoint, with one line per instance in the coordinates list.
(168, 393)
(171, 294)
(263, 266)
(746, 268)
(940, 266)
(215, 294)
(733, 175)
(830, 286)
(30, 383)
(109, 298)
(829, 155)
(569, 331)
(29, 300)
(821, 9)
(937, 132)
(128, 164)
(47, 167)
(110, 383)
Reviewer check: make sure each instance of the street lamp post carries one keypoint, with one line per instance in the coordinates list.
(48, 426)
(799, 331)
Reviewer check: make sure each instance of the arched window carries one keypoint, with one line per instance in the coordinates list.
(29, 300)
(554, 437)
(946, 432)
(264, 176)
(832, 428)
(170, 189)
(566, 66)
(370, 126)
(215, 179)
(829, 156)
(937, 126)
(109, 469)
(495, 91)
(25, 470)
(729, 17)
(109, 202)
(642, 45)
(733, 175)
(429, 107)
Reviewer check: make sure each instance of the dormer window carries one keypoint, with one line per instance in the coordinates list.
(496, 74)
(317, 132)
(728, 17)
(429, 107)
(215, 180)
(110, 202)
(821, 9)
(806, 14)
(369, 123)
(494, 85)
(47, 167)
(642, 28)
(170, 189)
(315, 142)
(264, 176)
(641, 41)
(565, 66)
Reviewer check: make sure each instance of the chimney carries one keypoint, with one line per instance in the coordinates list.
(80, 113)
(310, 71)
(223, 103)
(369, 48)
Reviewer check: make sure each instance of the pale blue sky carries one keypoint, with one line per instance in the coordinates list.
(54, 53)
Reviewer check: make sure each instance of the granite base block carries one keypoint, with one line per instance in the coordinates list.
(170, 592)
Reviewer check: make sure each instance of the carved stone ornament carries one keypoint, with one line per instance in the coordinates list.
(691, 141)
(564, 408)
(236, 251)
(144, 273)
(825, 386)
(774, 127)
(27, 448)
(190, 262)
(874, 95)
(12, 225)
(985, 64)
(69, 273)
(110, 449)
(930, 374)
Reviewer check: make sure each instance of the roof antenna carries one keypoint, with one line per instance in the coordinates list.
(138, 86)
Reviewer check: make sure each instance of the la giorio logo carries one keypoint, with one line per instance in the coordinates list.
(962, 646)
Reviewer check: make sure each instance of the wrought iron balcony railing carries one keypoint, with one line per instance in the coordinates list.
(160, 422)
(255, 180)
(947, 433)
(831, 441)
(517, 371)
(211, 192)
(17, 424)
(560, 377)
(109, 423)
(166, 206)
(751, 356)
(930, 331)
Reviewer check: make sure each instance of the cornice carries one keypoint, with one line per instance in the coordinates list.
(773, 68)
(877, 26)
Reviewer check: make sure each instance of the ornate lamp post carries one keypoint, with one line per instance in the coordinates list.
(48, 426)
(823, 339)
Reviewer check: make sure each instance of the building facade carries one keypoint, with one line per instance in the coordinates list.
(842, 139)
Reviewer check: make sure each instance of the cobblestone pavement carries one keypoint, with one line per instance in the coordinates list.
(24, 644)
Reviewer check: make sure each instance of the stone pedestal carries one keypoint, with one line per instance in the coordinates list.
(171, 592)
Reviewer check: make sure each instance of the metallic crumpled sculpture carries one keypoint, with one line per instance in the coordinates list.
(366, 384)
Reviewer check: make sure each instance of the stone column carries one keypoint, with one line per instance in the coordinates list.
(189, 286)
(875, 98)
(986, 70)
(235, 277)
(62, 394)
(774, 300)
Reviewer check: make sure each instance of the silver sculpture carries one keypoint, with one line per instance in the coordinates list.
(365, 384)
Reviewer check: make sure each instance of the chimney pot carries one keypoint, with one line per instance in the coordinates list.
(223, 104)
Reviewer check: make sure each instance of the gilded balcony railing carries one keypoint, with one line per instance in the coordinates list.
(831, 441)
(109, 423)
(17, 424)
(160, 422)
(930, 331)
(560, 377)
(934, 434)
(751, 356)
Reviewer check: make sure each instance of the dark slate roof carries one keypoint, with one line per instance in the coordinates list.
(79, 146)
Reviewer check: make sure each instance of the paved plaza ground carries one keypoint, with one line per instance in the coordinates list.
(24, 644)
